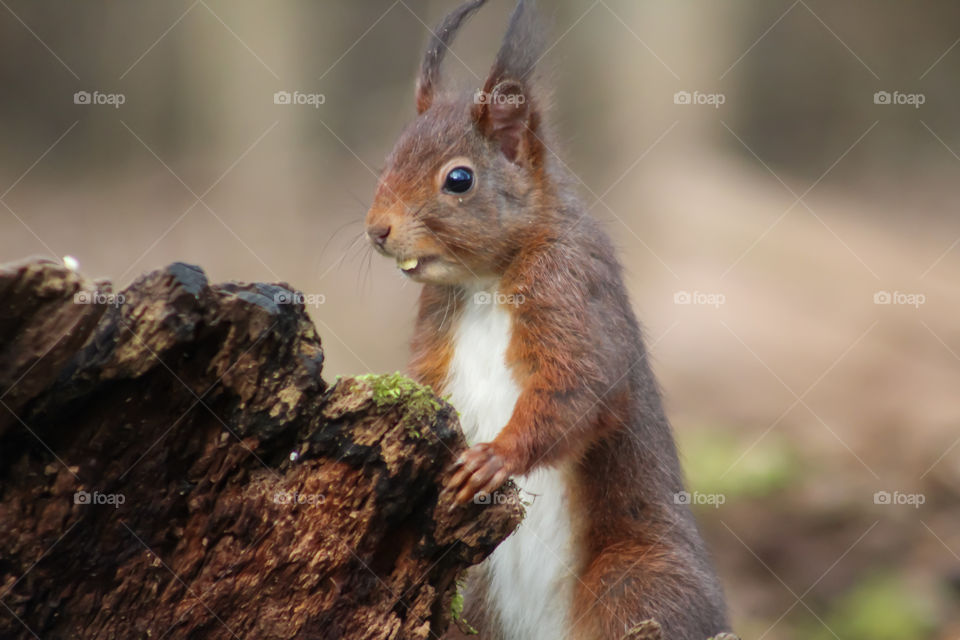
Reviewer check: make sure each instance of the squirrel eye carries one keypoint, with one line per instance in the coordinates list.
(459, 180)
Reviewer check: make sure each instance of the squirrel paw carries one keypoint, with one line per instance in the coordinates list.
(646, 630)
(480, 469)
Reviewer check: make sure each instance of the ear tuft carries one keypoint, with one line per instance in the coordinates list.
(505, 111)
(439, 44)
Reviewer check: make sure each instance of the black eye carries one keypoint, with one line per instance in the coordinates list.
(459, 180)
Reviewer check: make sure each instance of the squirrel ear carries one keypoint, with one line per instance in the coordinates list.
(503, 115)
(504, 110)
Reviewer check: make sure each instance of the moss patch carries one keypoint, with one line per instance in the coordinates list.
(419, 404)
(456, 610)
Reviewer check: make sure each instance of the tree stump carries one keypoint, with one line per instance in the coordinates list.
(172, 465)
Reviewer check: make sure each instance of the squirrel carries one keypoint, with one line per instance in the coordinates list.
(524, 323)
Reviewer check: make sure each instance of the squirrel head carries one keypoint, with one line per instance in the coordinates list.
(465, 184)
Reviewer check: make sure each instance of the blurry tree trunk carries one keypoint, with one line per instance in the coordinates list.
(172, 465)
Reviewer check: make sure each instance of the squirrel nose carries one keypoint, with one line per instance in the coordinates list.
(379, 234)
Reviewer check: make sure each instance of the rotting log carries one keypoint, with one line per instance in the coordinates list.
(173, 465)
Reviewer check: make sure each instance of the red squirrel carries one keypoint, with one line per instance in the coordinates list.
(525, 324)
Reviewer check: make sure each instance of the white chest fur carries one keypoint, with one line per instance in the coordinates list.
(531, 572)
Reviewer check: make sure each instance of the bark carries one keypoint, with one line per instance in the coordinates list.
(172, 465)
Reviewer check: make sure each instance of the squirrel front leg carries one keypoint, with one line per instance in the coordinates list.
(549, 423)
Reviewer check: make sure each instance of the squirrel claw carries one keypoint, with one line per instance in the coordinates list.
(482, 470)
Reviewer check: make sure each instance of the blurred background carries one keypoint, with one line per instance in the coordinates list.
(780, 179)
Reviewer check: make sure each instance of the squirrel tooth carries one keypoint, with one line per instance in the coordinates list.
(408, 264)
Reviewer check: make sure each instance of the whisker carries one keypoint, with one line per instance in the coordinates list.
(326, 245)
(364, 255)
(365, 281)
(446, 308)
(343, 257)
(364, 273)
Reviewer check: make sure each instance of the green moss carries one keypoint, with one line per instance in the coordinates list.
(456, 606)
(419, 403)
(456, 610)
